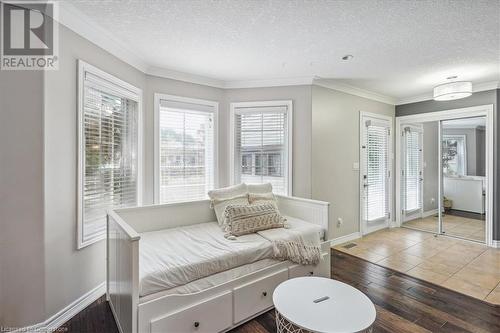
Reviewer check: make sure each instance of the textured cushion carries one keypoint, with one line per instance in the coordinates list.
(231, 195)
(244, 219)
(260, 188)
(221, 204)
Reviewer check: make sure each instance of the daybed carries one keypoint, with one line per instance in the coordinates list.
(170, 269)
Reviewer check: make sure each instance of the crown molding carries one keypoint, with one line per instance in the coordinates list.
(335, 85)
(81, 24)
(279, 82)
(183, 76)
(476, 87)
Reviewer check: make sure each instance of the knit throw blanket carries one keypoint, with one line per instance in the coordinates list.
(301, 248)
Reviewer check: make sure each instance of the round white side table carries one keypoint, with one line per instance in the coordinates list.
(314, 304)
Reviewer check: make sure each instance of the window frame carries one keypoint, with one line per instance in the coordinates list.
(288, 136)
(124, 90)
(213, 104)
(461, 162)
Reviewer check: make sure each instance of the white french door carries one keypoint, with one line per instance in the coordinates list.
(412, 172)
(375, 172)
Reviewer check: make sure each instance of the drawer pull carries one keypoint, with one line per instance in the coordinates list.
(196, 324)
(264, 293)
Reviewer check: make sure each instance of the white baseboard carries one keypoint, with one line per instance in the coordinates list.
(430, 212)
(495, 244)
(68, 312)
(346, 238)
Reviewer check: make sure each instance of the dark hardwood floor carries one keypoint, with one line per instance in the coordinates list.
(404, 305)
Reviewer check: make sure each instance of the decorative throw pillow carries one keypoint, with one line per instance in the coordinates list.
(260, 188)
(232, 195)
(244, 219)
(262, 198)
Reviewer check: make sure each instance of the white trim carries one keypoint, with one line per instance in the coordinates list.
(475, 111)
(362, 114)
(130, 92)
(345, 239)
(495, 244)
(215, 109)
(185, 77)
(81, 24)
(289, 134)
(68, 312)
(335, 85)
(476, 87)
(273, 82)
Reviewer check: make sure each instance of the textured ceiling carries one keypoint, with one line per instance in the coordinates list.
(401, 48)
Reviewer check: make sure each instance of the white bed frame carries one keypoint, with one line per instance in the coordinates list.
(217, 309)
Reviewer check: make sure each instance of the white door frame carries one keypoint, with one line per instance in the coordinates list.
(363, 114)
(475, 111)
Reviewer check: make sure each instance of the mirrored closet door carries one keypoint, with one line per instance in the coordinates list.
(463, 160)
(442, 180)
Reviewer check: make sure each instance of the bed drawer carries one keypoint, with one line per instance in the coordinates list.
(213, 315)
(256, 296)
(307, 270)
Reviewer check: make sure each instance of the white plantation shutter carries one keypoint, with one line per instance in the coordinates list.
(413, 169)
(376, 182)
(109, 124)
(261, 146)
(186, 151)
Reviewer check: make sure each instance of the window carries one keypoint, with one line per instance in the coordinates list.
(454, 155)
(413, 168)
(376, 170)
(185, 148)
(261, 136)
(109, 154)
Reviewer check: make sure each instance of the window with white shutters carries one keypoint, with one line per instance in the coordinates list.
(413, 169)
(376, 182)
(109, 150)
(186, 149)
(261, 144)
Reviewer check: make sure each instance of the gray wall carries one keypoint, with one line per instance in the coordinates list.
(70, 273)
(301, 97)
(335, 147)
(21, 198)
(431, 170)
(479, 98)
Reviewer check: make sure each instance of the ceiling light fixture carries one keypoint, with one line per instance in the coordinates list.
(452, 90)
(347, 57)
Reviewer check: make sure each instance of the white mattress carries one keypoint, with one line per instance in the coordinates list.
(212, 280)
(171, 259)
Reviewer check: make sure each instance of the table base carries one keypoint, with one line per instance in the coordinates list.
(284, 326)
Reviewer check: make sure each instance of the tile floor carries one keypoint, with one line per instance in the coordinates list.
(452, 225)
(466, 267)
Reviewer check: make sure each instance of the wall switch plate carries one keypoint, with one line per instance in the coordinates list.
(355, 166)
(339, 222)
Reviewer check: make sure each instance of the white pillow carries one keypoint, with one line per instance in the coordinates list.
(223, 197)
(260, 188)
(228, 192)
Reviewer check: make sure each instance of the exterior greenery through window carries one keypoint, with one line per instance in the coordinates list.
(109, 156)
